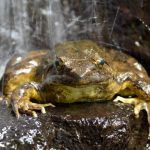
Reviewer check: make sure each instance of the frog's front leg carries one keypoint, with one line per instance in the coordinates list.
(21, 100)
(138, 105)
(141, 89)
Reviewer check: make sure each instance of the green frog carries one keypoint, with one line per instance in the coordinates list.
(78, 71)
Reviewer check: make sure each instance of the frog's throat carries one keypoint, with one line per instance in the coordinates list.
(60, 93)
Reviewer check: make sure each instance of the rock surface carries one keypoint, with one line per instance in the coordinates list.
(81, 126)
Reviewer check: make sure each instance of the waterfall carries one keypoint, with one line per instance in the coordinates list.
(26, 25)
(14, 29)
(40, 24)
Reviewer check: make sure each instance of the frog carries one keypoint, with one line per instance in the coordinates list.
(75, 71)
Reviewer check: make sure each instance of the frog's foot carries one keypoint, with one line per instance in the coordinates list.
(21, 100)
(28, 107)
(138, 105)
(1, 98)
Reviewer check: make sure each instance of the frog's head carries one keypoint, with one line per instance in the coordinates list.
(82, 70)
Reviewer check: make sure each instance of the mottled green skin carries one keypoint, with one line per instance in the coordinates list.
(82, 71)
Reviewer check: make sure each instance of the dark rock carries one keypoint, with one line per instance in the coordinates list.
(75, 126)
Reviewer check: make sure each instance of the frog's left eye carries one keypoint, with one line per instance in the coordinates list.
(101, 61)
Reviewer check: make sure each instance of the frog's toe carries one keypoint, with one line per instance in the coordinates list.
(31, 113)
(126, 100)
(16, 110)
(141, 106)
(21, 100)
(43, 110)
(28, 107)
(145, 106)
(34, 106)
(40, 107)
(138, 104)
(1, 98)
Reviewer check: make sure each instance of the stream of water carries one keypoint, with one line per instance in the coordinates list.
(25, 25)
(14, 29)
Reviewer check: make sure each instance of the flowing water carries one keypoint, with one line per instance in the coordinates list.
(40, 24)
(14, 29)
(28, 24)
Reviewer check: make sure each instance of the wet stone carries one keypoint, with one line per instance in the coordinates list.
(90, 126)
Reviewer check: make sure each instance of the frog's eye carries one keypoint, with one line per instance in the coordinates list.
(58, 62)
(101, 61)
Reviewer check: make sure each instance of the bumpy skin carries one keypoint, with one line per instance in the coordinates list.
(82, 71)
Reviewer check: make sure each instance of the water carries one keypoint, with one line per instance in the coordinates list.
(14, 29)
(40, 24)
(26, 25)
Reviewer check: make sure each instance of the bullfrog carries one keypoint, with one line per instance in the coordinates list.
(77, 71)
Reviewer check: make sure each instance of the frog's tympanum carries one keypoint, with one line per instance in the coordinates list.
(81, 71)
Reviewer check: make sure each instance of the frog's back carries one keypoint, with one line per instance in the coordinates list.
(21, 69)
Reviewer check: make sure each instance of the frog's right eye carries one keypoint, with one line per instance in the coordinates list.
(101, 61)
(58, 62)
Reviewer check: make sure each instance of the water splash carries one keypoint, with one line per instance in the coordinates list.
(55, 25)
(25, 24)
(14, 29)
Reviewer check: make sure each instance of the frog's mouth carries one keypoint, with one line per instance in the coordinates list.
(80, 93)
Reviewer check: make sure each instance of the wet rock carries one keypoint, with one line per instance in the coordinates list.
(75, 126)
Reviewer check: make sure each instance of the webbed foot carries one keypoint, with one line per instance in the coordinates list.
(1, 98)
(21, 101)
(28, 107)
(138, 106)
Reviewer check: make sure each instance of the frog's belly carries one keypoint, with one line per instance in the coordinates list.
(69, 94)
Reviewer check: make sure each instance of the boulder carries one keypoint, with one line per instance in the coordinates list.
(90, 126)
